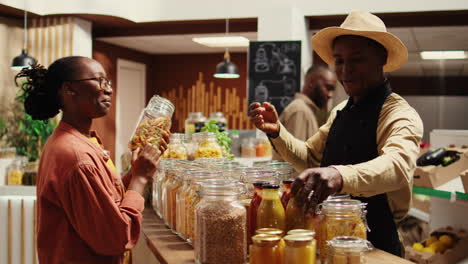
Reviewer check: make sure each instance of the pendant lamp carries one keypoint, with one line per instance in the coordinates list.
(226, 69)
(23, 60)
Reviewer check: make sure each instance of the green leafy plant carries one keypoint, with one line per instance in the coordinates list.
(28, 136)
(221, 137)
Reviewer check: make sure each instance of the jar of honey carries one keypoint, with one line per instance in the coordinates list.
(300, 249)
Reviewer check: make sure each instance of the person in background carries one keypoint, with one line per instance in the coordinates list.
(369, 145)
(87, 213)
(309, 109)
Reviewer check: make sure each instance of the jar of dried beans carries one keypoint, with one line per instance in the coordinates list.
(220, 224)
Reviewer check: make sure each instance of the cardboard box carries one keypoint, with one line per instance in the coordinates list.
(434, 176)
(464, 178)
(452, 256)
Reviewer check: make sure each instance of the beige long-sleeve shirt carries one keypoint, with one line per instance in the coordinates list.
(302, 118)
(399, 132)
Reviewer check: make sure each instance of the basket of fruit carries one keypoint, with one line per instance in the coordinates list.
(444, 246)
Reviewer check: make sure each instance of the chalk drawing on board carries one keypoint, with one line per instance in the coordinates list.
(261, 61)
(261, 93)
(279, 61)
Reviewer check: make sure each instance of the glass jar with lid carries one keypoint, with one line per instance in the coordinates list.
(194, 123)
(284, 169)
(295, 216)
(153, 121)
(341, 218)
(30, 173)
(249, 176)
(15, 171)
(304, 232)
(207, 146)
(176, 148)
(221, 121)
(266, 249)
(7, 153)
(181, 225)
(192, 198)
(220, 224)
(348, 250)
(300, 249)
(160, 183)
(174, 184)
(248, 148)
(313, 221)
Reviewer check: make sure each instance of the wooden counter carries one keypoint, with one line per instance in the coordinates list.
(168, 248)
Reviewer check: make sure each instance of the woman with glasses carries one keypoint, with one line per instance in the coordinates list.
(87, 213)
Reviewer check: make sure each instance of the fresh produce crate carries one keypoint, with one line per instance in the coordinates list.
(434, 176)
(444, 246)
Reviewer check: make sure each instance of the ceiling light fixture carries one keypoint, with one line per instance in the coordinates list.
(226, 69)
(23, 60)
(444, 55)
(223, 41)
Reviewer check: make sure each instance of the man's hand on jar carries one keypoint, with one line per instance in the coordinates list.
(313, 186)
(265, 118)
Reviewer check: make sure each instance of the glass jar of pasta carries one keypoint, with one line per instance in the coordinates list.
(266, 249)
(207, 146)
(154, 119)
(176, 148)
(348, 250)
(220, 224)
(341, 218)
(300, 249)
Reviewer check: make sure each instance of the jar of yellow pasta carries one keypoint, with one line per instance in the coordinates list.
(154, 120)
(207, 146)
(176, 148)
(348, 250)
(341, 218)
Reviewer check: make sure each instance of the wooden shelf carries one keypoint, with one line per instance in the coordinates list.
(168, 248)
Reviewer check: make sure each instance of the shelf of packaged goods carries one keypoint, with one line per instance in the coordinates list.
(440, 194)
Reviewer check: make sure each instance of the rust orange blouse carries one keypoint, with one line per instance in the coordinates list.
(84, 213)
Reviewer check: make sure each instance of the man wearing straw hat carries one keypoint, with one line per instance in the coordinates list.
(369, 145)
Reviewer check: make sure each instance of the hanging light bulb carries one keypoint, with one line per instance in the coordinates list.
(226, 69)
(23, 60)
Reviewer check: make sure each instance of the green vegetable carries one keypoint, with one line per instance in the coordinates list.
(221, 137)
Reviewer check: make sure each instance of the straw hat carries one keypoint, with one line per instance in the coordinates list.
(365, 24)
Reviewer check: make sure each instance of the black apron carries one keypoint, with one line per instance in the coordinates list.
(353, 139)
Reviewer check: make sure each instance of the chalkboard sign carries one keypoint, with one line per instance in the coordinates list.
(274, 72)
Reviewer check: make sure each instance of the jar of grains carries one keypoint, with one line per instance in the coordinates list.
(220, 224)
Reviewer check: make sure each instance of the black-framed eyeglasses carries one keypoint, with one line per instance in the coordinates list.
(103, 81)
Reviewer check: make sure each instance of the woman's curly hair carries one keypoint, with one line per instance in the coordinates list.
(40, 89)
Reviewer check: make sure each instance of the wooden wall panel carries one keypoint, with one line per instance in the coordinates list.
(187, 80)
(50, 38)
